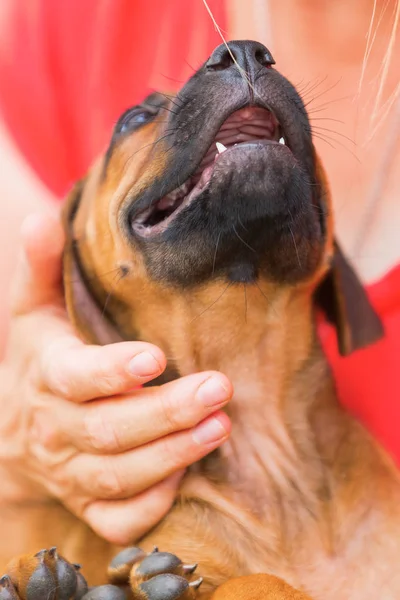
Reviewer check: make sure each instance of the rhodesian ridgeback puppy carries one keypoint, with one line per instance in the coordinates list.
(206, 229)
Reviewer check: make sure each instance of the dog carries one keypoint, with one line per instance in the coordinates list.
(206, 229)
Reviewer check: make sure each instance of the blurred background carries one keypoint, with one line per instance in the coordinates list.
(68, 68)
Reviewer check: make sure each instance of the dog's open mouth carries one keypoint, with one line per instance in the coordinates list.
(247, 125)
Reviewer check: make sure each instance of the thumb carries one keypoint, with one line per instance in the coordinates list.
(38, 278)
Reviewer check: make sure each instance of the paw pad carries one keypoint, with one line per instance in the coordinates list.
(154, 576)
(45, 574)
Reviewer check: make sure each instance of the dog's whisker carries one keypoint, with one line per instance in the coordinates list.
(215, 254)
(324, 92)
(269, 303)
(94, 278)
(242, 72)
(325, 138)
(241, 224)
(295, 246)
(333, 131)
(310, 87)
(171, 99)
(144, 147)
(245, 303)
(212, 304)
(327, 119)
(191, 66)
(242, 240)
(172, 78)
(110, 293)
(323, 106)
(163, 108)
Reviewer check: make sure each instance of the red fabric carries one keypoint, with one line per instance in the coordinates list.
(72, 66)
(368, 381)
(68, 69)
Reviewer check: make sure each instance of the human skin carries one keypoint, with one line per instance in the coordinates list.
(73, 427)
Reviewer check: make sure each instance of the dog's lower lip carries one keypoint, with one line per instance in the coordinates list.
(168, 207)
(248, 126)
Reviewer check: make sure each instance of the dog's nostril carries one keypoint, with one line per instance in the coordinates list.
(221, 59)
(264, 58)
(248, 56)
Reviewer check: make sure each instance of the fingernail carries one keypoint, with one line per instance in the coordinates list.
(212, 392)
(144, 365)
(209, 431)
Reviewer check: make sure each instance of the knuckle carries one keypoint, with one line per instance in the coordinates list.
(169, 411)
(99, 433)
(42, 433)
(56, 377)
(172, 454)
(62, 484)
(110, 524)
(107, 377)
(108, 480)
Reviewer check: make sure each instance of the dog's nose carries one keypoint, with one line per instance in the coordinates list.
(249, 56)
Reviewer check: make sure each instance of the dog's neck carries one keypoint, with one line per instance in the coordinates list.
(262, 338)
(265, 341)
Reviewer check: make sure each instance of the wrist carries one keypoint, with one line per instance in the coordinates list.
(16, 486)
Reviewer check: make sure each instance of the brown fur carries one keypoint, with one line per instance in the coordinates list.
(300, 491)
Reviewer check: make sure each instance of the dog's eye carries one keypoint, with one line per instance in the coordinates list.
(133, 118)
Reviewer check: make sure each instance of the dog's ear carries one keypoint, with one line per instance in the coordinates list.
(345, 303)
(87, 316)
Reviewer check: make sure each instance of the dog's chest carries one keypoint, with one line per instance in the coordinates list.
(330, 554)
(357, 563)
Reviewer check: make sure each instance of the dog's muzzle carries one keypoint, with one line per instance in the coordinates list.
(240, 174)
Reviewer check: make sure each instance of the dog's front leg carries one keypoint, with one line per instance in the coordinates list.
(42, 576)
(163, 576)
(154, 575)
(133, 573)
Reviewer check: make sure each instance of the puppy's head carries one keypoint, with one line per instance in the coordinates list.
(217, 186)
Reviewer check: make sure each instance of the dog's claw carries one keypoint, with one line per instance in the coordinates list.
(189, 569)
(163, 576)
(157, 564)
(7, 590)
(42, 576)
(196, 584)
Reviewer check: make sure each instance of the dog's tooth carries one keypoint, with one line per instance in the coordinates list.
(282, 141)
(220, 147)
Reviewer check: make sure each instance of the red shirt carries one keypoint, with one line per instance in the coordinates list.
(72, 66)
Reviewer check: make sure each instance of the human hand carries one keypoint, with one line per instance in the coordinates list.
(73, 430)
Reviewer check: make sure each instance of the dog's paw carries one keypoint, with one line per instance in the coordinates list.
(42, 576)
(154, 576)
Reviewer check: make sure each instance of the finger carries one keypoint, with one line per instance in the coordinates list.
(124, 475)
(122, 522)
(38, 276)
(79, 373)
(125, 422)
